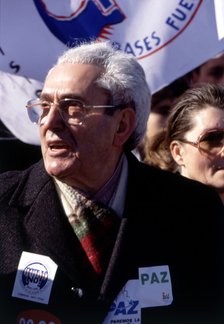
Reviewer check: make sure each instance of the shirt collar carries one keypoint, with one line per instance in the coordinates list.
(112, 194)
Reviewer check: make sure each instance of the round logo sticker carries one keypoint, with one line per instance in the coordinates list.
(34, 277)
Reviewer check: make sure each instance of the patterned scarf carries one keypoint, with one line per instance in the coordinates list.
(95, 225)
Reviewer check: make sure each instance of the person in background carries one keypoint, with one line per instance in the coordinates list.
(195, 135)
(162, 101)
(212, 71)
(92, 235)
(152, 150)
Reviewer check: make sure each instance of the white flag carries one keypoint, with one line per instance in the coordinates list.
(14, 92)
(219, 12)
(168, 37)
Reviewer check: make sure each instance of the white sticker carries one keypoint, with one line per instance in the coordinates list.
(126, 307)
(34, 278)
(153, 288)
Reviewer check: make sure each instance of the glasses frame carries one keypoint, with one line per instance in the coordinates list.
(35, 102)
(201, 136)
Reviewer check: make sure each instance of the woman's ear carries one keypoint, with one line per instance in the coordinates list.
(126, 121)
(176, 150)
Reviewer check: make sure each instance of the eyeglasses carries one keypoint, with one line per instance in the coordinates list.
(72, 111)
(210, 142)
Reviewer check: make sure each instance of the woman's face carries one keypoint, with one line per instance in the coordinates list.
(206, 168)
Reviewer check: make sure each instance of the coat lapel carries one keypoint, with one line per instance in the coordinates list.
(124, 262)
(45, 224)
(136, 244)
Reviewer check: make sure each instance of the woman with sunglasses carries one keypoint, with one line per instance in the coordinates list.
(195, 135)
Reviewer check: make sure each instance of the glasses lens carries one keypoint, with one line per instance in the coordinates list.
(34, 112)
(212, 142)
(71, 111)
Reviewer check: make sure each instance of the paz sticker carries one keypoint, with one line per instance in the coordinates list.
(34, 278)
(126, 307)
(155, 286)
(152, 289)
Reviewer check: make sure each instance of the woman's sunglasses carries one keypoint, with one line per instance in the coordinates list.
(210, 142)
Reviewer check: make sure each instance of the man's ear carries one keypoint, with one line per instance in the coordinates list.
(176, 150)
(126, 122)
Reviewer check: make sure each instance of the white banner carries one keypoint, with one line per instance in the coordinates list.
(15, 90)
(169, 38)
(219, 12)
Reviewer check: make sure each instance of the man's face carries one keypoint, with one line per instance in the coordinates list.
(80, 155)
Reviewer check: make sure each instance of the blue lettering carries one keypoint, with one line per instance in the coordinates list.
(14, 66)
(171, 23)
(132, 308)
(116, 45)
(34, 275)
(139, 46)
(186, 4)
(164, 275)
(179, 14)
(182, 16)
(154, 278)
(120, 309)
(147, 44)
(156, 38)
(144, 278)
(128, 49)
(125, 309)
(161, 277)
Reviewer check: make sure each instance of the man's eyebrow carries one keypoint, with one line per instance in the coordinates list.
(45, 96)
(72, 95)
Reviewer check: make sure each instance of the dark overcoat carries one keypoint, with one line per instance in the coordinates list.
(168, 221)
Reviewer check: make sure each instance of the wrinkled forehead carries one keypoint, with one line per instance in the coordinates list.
(73, 78)
(74, 71)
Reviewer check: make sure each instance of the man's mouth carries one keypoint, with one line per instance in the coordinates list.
(58, 146)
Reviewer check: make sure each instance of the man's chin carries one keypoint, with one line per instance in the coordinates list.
(56, 169)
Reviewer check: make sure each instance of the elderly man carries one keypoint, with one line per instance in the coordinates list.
(91, 235)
